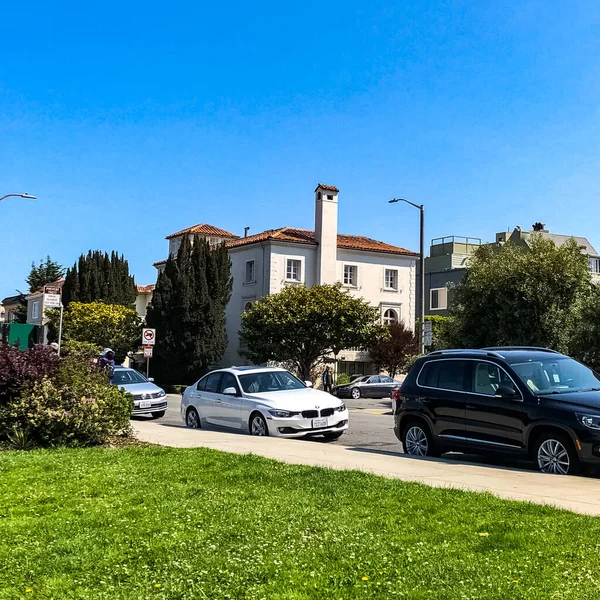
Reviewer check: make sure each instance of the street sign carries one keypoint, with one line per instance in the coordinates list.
(52, 289)
(428, 333)
(148, 351)
(52, 300)
(149, 337)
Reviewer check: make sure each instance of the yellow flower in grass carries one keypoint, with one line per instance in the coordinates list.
(28, 590)
(484, 534)
(157, 585)
(365, 578)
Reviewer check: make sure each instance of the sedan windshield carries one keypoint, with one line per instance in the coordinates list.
(272, 381)
(556, 376)
(127, 376)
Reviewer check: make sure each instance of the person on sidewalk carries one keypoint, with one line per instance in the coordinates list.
(106, 363)
(328, 380)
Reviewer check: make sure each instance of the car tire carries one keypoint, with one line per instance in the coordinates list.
(158, 415)
(331, 436)
(192, 419)
(418, 441)
(258, 425)
(355, 393)
(555, 454)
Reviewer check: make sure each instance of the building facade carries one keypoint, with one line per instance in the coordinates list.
(263, 264)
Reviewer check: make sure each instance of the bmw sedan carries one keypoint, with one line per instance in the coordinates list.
(369, 386)
(148, 398)
(263, 401)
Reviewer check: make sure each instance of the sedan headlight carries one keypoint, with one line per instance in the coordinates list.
(282, 414)
(161, 393)
(340, 408)
(590, 421)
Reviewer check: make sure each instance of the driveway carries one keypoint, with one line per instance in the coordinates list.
(370, 445)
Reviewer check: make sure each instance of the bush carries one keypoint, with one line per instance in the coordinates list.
(342, 379)
(55, 416)
(174, 389)
(21, 367)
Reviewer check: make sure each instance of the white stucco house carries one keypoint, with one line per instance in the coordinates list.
(262, 264)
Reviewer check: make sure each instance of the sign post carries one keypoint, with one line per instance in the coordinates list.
(148, 341)
(428, 333)
(53, 299)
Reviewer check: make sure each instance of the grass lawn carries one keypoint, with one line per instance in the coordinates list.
(149, 522)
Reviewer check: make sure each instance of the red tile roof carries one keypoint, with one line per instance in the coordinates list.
(305, 236)
(145, 289)
(204, 229)
(323, 186)
(59, 284)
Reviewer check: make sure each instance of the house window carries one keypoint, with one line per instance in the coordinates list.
(594, 265)
(293, 270)
(329, 196)
(391, 279)
(35, 310)
(390, 317)
(350, 275)
(438, 299)
(250, 278)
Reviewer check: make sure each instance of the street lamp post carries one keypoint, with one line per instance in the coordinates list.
(28, 196)
(421, 208)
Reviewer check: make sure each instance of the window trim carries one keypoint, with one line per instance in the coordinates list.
(352, 266)
(385, 285)
(35, 309)
(298, 259)
(438, 289)
(253, 280)
(385, 309)
(427, 387)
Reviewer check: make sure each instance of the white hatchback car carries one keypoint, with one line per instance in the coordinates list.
(263, 401)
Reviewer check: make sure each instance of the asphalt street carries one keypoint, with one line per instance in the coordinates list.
(371, 424)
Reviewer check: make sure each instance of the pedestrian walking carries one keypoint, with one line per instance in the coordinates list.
(328, 380)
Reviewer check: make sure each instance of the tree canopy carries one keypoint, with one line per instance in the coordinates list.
(521, 295)
(48, 271)
(100, 277)
(394, 348)
(305, 326)
(188, 311)
(104, 325)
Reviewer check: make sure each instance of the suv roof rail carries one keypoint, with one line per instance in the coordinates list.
(534, 348)
(485, 351)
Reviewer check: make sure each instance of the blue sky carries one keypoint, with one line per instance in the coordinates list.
(132, 120)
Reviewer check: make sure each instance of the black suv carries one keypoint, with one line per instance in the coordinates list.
(519, 401)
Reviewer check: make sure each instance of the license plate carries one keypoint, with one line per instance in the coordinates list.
(145, 404)
(319, 423)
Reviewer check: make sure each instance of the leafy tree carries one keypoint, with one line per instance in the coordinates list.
(305, 326)
(20, 314)
(519, 295)
(47, 271)
(188, 311)
(394, 348)
(104, 325)
(100, 277)
(585, 342)
(441, 329)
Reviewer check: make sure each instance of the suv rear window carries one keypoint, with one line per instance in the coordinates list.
(444, 374)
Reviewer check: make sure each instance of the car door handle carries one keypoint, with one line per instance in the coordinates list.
(471, 407)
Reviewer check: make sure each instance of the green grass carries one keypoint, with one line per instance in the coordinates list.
(161, 523)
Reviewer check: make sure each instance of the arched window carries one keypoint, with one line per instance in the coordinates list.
(390, 317)
(248, 306)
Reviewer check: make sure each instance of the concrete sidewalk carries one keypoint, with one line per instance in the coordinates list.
(578, 494)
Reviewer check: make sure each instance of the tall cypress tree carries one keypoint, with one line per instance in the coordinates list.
(188, 311)
(100, 277)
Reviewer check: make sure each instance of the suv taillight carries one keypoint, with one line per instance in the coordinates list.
(396, 394)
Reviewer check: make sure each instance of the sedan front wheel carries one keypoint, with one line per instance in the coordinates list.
(258, 425)
(355, 393)
(192, 419)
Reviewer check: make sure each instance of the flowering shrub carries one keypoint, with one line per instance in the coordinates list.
(63, 416)
(18, 368)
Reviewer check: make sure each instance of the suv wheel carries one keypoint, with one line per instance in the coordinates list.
(417, 441)
(555, 454)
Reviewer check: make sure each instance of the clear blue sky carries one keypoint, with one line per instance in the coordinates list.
(131, 120)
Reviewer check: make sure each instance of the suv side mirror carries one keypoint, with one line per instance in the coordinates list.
(230, 391)
(506, 391)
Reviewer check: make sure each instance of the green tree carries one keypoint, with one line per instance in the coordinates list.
(305, 326)
(585, 342)
(519, 295)
(394, 348)
(188, 311)
(100, 277)
(104, 325)
(48, 271)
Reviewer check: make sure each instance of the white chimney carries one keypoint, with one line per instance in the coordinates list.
(326, 224)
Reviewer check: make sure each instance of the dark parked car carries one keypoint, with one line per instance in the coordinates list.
(367, 386)
(518, 401)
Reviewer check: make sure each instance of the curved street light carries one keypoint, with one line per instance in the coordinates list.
(28, 196)
(421, 208)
